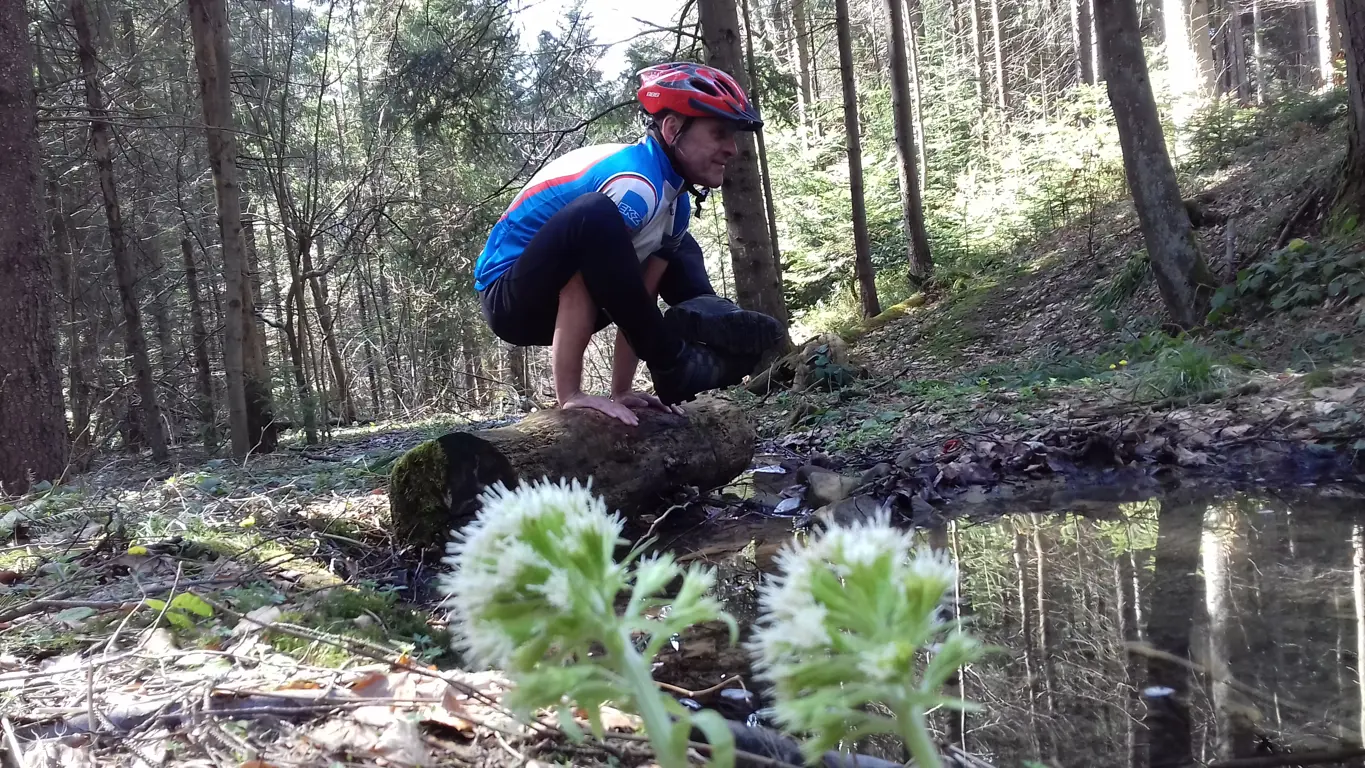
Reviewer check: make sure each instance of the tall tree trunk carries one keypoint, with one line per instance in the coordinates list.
(907, 167)
(978, 50)
(1306, 55)
(1241, 84)
(248, 399)
(371, 370)
(78, 334)
(1258, 53)
(997, 32)
(915, 28)
(1351, 198)
(329, 339)
(862, 243)
(199, 338)
(1082, 28)
(768, 206)
(33, 437)
(393, 349)
(806, 98)
(135, 341)
(1179, 267)
(1222, 549)
(757, 280)
(1326, 20)
(296, 324)
(1173, 593)
(1202, 45)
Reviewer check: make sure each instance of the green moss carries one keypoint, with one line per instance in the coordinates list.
(417, 494)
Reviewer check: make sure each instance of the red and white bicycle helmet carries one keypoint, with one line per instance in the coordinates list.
(696, 90)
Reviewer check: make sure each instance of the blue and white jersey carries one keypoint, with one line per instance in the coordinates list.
(638, 177)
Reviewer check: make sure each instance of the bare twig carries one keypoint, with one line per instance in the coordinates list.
(12, 743)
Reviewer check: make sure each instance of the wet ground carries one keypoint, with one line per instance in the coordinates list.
(1193, 626)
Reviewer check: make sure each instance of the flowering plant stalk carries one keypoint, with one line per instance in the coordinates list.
(534, 592)
(841, 628)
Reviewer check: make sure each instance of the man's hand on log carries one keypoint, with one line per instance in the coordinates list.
(646, 400)
(616, 410)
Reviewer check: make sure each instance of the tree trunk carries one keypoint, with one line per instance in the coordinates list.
(914, 30)
(978, 51)
(758, 282)
(1241, 84)
(1167, 689)
(805, 100)
(1258, 53)
(200, 339)
(329, 340)
(434, 487)
(769, 209)
(1306, 56)
(1222, 549)
(997, 32)
(1179, 267)
(208, 23)
(135, 340)
(1351, 198)
(77, 322)
(862, 243)
(33, 437)
(371, 369)
(1326, 22)
(907, 166)
(1202, 46)
(1082, 27)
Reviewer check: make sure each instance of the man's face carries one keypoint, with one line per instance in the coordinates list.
(703, 150)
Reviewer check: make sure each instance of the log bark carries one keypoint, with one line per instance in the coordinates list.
(434, 488)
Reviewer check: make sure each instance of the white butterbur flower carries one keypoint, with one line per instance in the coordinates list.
(843, 625)
(534, 590)
(515, 553)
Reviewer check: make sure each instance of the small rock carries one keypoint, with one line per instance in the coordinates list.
(824, 487)
(1187, 458)
(906, 460)
(850, 511)
(876, 473)
(363, 621)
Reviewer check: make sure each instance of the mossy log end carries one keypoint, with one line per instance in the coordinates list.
(434, 488)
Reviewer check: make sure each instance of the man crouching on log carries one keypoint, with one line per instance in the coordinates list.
(600, 233)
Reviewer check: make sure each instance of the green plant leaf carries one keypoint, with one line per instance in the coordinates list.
(179, 620)
(154, 604)
(193, 604)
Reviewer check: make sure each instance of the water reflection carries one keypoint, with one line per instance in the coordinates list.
(1185, 630)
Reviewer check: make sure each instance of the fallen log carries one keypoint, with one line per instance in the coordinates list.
(434, 488)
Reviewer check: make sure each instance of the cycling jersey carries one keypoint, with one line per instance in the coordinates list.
(638, 177)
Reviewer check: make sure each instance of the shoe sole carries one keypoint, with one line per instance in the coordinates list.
(737, 333)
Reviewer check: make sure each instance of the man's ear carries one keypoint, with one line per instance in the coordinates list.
(670, 127)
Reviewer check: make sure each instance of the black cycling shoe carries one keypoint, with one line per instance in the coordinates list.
(695, 370)
(718, 323)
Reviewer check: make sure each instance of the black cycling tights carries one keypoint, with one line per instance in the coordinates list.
(589, 236)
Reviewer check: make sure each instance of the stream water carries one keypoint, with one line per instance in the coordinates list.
(1185, 628)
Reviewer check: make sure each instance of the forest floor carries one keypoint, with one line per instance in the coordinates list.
(260, 614)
